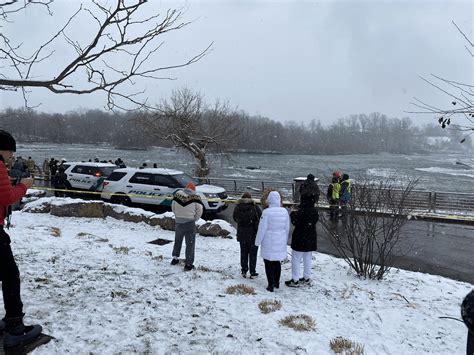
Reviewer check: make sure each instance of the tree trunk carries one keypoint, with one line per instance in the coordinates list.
(202, 168)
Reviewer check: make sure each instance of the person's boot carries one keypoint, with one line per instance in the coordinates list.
(16, 333)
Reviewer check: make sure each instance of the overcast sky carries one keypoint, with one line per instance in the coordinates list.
(290, 60)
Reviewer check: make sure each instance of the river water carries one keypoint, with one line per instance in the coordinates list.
(436, 172)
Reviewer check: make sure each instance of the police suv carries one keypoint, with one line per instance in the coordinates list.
(156, 186)
(87, 176)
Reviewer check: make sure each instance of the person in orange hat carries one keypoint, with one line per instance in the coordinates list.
(187, 208)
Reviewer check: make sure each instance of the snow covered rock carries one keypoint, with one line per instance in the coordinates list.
(90, 210)
(165, 221)
(123, 213)
(67, 207)
(215, 228)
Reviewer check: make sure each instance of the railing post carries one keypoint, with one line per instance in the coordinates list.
(235, 186)
(430, 201)
(434, 201)
(263, 186)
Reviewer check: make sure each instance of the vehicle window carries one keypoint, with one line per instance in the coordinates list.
(116, 176)
(165, 180)
(81, 169)
(184, 179)
(66, 166)
(142, 178)
(107, 171)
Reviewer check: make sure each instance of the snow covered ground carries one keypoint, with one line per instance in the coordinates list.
(98, 286)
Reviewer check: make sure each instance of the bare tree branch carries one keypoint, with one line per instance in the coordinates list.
(125, 34)
(462, 99)
(190, 124)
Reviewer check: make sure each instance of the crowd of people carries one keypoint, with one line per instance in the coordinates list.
(268, 230)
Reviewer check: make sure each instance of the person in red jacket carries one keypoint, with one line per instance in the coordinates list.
(15, 331)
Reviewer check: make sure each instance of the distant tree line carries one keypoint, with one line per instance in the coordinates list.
(363, 134)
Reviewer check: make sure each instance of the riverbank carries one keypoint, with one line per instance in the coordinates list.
(99, 286)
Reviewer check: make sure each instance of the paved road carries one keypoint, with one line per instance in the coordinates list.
(435, 248)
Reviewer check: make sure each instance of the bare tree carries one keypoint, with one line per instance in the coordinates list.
(126, 32)
(461, 97)
(191, 124)
(371, 226)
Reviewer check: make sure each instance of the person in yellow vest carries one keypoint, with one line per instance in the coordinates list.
(332, 195)
(30, 163)
(344, 194)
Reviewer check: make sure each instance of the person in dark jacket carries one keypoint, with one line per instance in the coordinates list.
(467, 314)
(303, 240)
(247, 215)
(345, 194)
(19, 170)
(60, 182)
(15, 330)
(53, 167)
(310, 187)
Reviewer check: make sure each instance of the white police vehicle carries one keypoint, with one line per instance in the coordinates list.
(156, 186)
(86, 175)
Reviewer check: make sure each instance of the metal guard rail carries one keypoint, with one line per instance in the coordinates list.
(429, 201)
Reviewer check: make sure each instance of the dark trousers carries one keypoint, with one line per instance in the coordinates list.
(248, 256)
(470, 343)
(343, 209)
(333, 209)
(273, 271)
(10, 277)
(185, 231)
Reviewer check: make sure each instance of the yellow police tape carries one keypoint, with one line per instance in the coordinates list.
(165, 197)
(469, 219)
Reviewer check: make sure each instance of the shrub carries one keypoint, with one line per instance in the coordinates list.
(371, 226)
(268, 306)
(122, 250)
(341, 345)
(240, 289)
(55, 232)
(299, 322)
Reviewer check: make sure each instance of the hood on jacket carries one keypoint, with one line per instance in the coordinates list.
(246, 201)
(274, 199)
(185, 193)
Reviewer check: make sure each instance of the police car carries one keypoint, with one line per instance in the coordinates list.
(156, 186)
(87, 176)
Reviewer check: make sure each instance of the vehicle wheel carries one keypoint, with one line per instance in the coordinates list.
(122, 200)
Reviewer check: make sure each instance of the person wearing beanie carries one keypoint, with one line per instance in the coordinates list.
(309, 187)
(187, 208)
(345, 194)
(15, 330)
(191, 186)
(303, 241)
(247, 215)
(467, 314)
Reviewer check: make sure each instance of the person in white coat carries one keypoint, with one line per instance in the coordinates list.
(272, 236)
